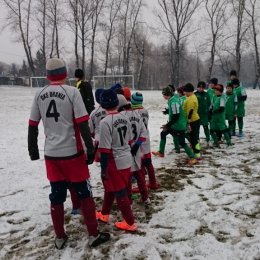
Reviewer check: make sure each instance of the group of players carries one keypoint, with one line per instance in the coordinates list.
(188, 110)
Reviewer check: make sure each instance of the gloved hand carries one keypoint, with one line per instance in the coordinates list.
(134, 149)
(103, 174)
(166, 111)
(165, 127)
(90, 158)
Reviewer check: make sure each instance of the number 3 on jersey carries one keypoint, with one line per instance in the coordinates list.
(122, 134)
(52, 111)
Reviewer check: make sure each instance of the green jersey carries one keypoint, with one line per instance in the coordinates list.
(176, 114)
(211, 93)
(230, 81)
(230, 106)
(218, 113)
(182, 99)
(204, 105)
(241, 97)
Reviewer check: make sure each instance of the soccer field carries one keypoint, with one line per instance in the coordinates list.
(207, 211)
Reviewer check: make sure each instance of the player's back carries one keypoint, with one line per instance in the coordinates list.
(95, 117)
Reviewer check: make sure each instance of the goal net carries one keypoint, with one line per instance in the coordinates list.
(40, 82)
(109, 80)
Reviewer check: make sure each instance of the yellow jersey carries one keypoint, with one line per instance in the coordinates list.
(190, 107)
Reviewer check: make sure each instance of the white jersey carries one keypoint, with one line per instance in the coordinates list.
(145, 148)
(60, 107)
(139, 132)
(95, 117)
(116, 136)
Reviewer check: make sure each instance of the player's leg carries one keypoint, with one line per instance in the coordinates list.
(162, 144)
(240, 123)
(206, 132)
(141, 184)
(195, 126)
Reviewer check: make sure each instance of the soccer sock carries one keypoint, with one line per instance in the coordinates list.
(125, 208)
(215, 138)
(89, 212)
(206, 131)
(162, 146)
(108, 202)
(57, 215)
(176, 142)
(141, 184)
(74, 199)
(151, 173)
(188, 151)
(240, 124)
(227, 137)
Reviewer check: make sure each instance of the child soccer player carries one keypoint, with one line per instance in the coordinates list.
(115, 160)
(176, 126)
(181, 95)
(218, 123)
(203, 110)
(140, 134)
(137, 105)
(241, 98)
(231, 108)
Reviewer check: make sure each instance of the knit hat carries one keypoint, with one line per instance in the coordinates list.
(233, 73)
(79, 73)
(137, 98)
(236, 82)
(188, 88)
(220, 88)
(230, 85)
(108, 99)
(201, 84)
(122, 101)
(172, 87)
(56, 69)
(181, 90)
(214, 81)
(167, 91)
(116, 86)
(98, 92)
(127, 92)
(119, 91)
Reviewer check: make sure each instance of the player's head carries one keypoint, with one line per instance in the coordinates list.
(180, 91)
(229, 88)
(123, 104)
(233, 74)
(56, 70)
(98, 92)
(172, 87)
(235, 83)
(167, 93)
(109, 100)
(79, 74)
(219, 89)
(213, 82)
(116, 86)
(201, 86)
(188, 89)
(137, 98)
(127, 93)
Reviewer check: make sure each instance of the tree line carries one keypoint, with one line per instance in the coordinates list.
(188, 40)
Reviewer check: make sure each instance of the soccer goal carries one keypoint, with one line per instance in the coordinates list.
(110, 80)
(40, 82)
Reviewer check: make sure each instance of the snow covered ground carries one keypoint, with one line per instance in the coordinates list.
(207, 211)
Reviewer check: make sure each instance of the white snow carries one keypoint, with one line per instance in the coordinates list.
(207, 211)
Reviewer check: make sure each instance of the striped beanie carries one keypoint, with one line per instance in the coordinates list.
(56, 69)
(137, 98)
(98, 92)
(108, 99)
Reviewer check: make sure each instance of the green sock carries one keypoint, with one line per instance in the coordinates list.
(176, 142)
(162, 146)
(188, 151)
(226, 135)
(215, 138)
(206, 131)
(240, 125)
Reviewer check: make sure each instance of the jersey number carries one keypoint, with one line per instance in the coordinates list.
(52, 111)
(134, 131)
(122, 133)
(144, 123)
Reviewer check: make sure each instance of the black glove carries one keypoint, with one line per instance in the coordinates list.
(166, 111)
(103, 174)
(134, 149)
(90, 159)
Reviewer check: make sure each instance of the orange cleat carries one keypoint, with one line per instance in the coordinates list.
(192, 161)
(123, 225)
(101, 217)
(158, 154)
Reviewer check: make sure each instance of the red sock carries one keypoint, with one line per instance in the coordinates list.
(89, 212)
(57, 215)
(108, 202)
(74, 198)
(125, 207)
(129, 189)
(151, 173)
(141, 184)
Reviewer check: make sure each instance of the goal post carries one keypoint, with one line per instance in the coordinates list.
(40, 82)
(107, 81)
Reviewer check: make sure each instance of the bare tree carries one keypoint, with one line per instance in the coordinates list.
(18, 19)
(175, 18)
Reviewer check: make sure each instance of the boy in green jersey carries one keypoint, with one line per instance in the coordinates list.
(231, 108)
(233, 75)
(182, 97)
(176, 126)
(203, 110)
(218, 123)
(241, 98)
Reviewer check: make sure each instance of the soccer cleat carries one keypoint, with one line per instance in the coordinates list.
(124, 226)
(96, 241)
(199, 158)
(134, 196)
(192, 161)
(158, 154)
(76, 211)
(60, 242)
(154, 186)
(136, 190)
(101, 217)
(240, 134)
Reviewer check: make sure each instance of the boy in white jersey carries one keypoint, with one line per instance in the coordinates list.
(140, 133)
(65, 121)
(137, 105)
(115, 161)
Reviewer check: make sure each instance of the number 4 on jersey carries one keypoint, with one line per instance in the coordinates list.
(52, 111)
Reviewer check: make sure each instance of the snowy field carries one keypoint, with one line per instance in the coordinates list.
(208, 211)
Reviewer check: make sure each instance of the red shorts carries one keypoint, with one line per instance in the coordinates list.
(117, 179)
(72, 170)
